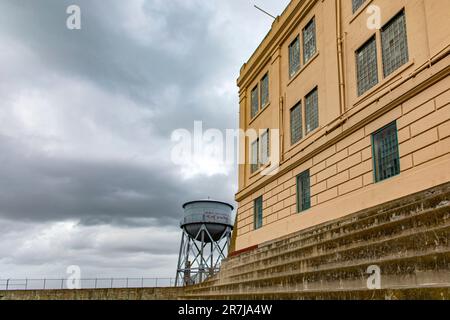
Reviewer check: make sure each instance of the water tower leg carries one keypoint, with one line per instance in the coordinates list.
(180, 260)
(202, 266)
(211, 265)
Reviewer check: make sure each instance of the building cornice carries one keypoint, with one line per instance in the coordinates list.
(281, 28)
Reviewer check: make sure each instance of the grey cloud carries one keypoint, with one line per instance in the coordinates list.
(86, 118)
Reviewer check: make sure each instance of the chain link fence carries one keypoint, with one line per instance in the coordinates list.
(88, 283)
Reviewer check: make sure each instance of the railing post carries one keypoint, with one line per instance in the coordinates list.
(62, 284)
(142, 282)
(44, 283)
(26, 284)
(7, 284)
(112, 282)
(95, 283)
(156, 283)
(127, 282)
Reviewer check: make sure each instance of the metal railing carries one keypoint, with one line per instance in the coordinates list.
(87, 283)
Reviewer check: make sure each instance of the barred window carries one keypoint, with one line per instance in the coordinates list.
(366, 65)
(265, 90)
(258, 213)
(385, 152)
(394, 44)
(356, 4)
(265, 147)
(254, 161)
(254, 101)
(309, 41)
(312, 111)
(296, 123)
(294, 56)
(303, 192)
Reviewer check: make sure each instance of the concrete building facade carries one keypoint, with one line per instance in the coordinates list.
(360, 93)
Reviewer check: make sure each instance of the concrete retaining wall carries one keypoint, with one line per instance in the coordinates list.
(94, 294)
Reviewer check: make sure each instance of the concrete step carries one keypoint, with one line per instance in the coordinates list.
(408, 239)
(350, 249)
(340, 230)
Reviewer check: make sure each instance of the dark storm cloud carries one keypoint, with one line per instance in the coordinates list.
(85, 123)
(44, 188)
(181, 54)
(103, 53)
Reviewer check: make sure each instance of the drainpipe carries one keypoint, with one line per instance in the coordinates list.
(339, 38)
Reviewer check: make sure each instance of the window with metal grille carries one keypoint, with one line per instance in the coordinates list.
(312, 111)
(265, 90)
(309, 41)
(394, 44)
(254, 101)
(294, 56)
(385, 152)
(366, 66)
(296, 123)
(303, 191)
(356, 4)
(265, 151)
(258, 213)
(254, 161)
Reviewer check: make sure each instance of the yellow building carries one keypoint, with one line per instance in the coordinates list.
(360, 93)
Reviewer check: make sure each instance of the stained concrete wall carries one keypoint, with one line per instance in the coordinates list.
(94, 294)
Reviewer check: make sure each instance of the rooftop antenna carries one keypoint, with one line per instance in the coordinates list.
(264, 12)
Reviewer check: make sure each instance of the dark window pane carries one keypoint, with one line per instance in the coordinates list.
(258, 213)
(367, 69)
(309, 41)
(254, 161)
(312, 111)
(265, 90)
(294, 56)
(296, 124)
(385, 153)
(356, 4)
(303, 191)
(265, 151)
(254, 101)
(394, 44)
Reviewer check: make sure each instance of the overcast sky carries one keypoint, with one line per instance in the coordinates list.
(86, 118)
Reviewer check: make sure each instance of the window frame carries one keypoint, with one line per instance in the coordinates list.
(301, 135)
(316, 92)
(263, 103)
(376, 175)
(258, 216)
(308, 58)
(254, 166)
(265, 158)
(252, 113)
(361, 91)
(356, 7)
(301, 205)
(400, 14)
(292, 72)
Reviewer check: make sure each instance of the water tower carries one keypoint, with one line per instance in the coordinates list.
(206, 226)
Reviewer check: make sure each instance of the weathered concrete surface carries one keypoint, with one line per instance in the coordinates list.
(95, 294)
(409, 239)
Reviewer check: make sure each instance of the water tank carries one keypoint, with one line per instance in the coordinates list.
(215, 215)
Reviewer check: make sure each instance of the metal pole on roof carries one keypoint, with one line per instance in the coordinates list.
(262, 10)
